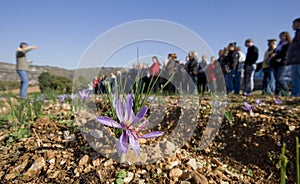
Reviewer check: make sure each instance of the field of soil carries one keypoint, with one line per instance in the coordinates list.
(246, 149)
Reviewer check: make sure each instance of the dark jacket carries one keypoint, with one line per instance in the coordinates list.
(230, 60)
(280, 57)
(251, 56)
(294, 50)
(192, 67)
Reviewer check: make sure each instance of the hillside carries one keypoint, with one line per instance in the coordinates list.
(8, 72)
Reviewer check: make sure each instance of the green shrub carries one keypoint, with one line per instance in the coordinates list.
(48, 82)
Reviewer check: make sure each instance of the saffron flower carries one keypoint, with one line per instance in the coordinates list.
(128, 121)
(62, 97)
(278, 101)
(84, 94)
(248, 107)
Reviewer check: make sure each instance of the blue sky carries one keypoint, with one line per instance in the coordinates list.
(63, 29)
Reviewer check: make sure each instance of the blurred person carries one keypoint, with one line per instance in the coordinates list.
(251, 58)
(171, 69)
(229, 65)
(22, 67)
(95, 85)
(268, 85)
(277, 62)
(293, 58)
(112, 82)
(154, 73)
(211, 74)
(238, 71)
(192, 65)
(201, 76)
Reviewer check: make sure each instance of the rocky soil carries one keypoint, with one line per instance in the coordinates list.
(245, 150)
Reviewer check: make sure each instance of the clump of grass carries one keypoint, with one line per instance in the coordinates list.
(297, 161)
(283, 163)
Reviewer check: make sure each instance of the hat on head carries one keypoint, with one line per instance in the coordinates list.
(249, 40)
(272, 40)
(23, 43)
(232, 44)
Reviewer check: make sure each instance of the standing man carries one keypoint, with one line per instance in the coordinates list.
(251, 58)
(268, 85)
(230, 62)
(22, 67)
(294, 58)
(238, 72)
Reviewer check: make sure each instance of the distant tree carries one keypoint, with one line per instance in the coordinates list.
(45, 81)
(54, 82)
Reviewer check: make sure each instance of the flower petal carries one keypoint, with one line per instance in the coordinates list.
(108, 122)
(247, 106)
(258, 101)
(142, 126)
(119, 110)
(139, 115)
(134, 142)
(128, 114)
(122, 144)
(152, 135)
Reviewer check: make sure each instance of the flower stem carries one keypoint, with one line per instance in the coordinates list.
(122, 157)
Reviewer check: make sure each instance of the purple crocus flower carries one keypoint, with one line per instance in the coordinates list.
(84, 94)
(278, 101)
(248, 107)
(62, 97)
(128, 120)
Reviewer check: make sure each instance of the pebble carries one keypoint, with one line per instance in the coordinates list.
(108, 163)
(193, 163)
(173, 164)
(35, 169)
(129, 177)
(175, 173)
(84, 161)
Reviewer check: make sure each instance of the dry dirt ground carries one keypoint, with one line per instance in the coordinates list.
(246, 150)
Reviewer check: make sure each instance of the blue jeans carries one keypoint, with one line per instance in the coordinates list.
(280, 84)
(229, 81)
(247, 79)
(295, 80)
(237, 82)
(268, 85)
(24, 83)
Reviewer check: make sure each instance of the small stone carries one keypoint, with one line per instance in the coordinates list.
(35, 169)
(52, 161)
(84, 161)
(96, 162)
(175, 173)
(62, 162)
(193, 163)
(129, 177)
(173, 164)
(108, 163)
(87, 169)
(292, 128)
(198, 178)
